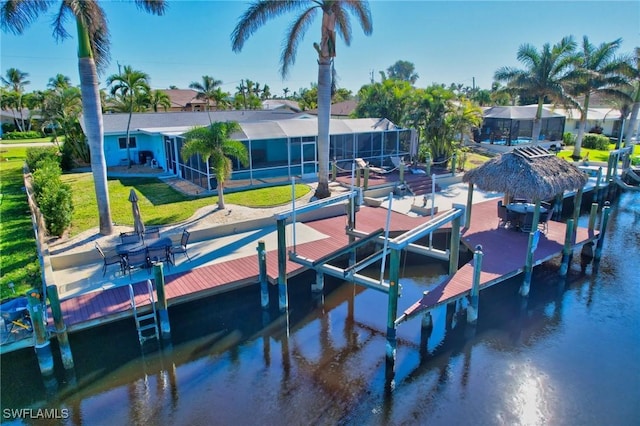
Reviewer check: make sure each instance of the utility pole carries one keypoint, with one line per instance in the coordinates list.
(371, 76)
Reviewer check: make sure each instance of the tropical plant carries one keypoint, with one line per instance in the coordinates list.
(388, 99)
(546, 71)
(61, 109)
(133, 87)
(464, 117)
(158, 98)
(60, 81)
(93, 54)
(216, 148)
(597, 70)
(402, 70)
(632, 71)
(206, 90)
(335, 19)
(16, 81)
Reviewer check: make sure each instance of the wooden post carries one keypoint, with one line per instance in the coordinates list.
(596, 190)
(566, 249)
(592, 216)
(318, 286)
(334, 171)
(528, 266)
(577, 203)
(61, 328)
(262, 267)
(283, 298)
(455, 245)
(367, 171)
(426, 328)
(558, 204)
(427, 166)
(453, 164)
(41, 343)
(474, 296)
(163, 307)
(392, 312)
(401, 168)
(603, 229)
(357, 177)
(467, 220)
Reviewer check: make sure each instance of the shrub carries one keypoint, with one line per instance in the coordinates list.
(31, 134)
(568, 138)
(36, 155)
(595, 141)
(53, 196)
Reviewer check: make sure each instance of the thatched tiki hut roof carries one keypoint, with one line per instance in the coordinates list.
(532, 173)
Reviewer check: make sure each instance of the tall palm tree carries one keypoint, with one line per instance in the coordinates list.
(206, 90)
(216, 148)
(158, 98)
(133, 87)
(16, 81)
(59, 82)
(545, 72)
(334, 19)
(597, 70)
(93, 54)
(632, 71)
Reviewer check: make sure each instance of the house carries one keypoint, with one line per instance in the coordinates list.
(513, 125)
(186, 100)
(281, 144)
(281, 104)
(340, 109)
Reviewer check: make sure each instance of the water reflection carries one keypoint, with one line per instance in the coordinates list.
(527, 361)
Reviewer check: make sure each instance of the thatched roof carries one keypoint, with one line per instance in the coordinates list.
(532, 173)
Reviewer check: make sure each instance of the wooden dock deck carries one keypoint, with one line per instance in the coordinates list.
(99, 307)
(504, 254)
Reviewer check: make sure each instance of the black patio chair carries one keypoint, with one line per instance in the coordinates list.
(150, 233)
(182, 248)
(159, 254)
(543, 223)
(129, 237)
(527, 222)
(111, 259)
(137, 259)
(503, 219)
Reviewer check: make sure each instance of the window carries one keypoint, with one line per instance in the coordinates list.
(122, 142)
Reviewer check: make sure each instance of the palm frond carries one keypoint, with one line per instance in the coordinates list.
(294, 35)
(17, 15)
(256, 16)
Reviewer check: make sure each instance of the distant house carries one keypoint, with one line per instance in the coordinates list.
(281, 144)
(339, 109)
(513, 125)
(186, 100)
(281, 104)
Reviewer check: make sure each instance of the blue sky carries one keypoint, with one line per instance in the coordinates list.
(447, 41)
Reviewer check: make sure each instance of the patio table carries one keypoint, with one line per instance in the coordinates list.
(521, 210)
(123, 249)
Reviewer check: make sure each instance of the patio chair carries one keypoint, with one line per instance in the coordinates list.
(182, 247)
(527, 222)
(543, 223)
(159, 254)
(111, 259)
(503, 219)
(137, 259)
(150, 233)
(129, 237)
(363, 164)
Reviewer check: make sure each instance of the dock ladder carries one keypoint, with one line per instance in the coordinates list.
(145, 322)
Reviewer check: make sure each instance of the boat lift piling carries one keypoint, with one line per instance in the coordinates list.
(163, 307)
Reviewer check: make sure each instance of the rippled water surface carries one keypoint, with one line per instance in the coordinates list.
(567, 355)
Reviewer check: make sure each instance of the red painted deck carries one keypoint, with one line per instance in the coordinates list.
(504, 254)
(98, 307)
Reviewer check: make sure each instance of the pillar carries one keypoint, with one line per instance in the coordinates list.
(474, 296)
(455, 245)
(262, 277)
(603, 229)
(163, 307)
(41, 342)
(283, 298)
(392, 312)
(318, 287)
(334, 171)
(453, 164)
(592, 216)
(467, 220)
(367, 171)
(427, 166)
(61, 328)
(401, 170)
(566, 249)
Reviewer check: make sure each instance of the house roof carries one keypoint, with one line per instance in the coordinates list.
(281, 104)
(339, 109)
(524, 112)
(183, 97)
(117, 123)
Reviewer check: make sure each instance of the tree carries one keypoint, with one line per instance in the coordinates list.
(16, 81)
(133, 88)
(158, 98)
(597, 70)
(60, 81)
(93, 54)
(403, 70)
(546, 71)
(632, 71)
(216, 148)
(206, 90)
(464, 117)
(388, 99)
(335, 19)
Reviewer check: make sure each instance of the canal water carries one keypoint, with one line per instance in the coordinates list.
(566, 355)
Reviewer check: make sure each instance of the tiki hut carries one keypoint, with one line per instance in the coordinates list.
(532, 173)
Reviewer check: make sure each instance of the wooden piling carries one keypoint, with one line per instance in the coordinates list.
(603, 229)
(401, 169)
(474, 296)
(61, 328)
(597, 190)
(283, 298)
(358, 177)
(334, 171)
(577, 203)
(427, 164)
(367, 171)
(467, 219)
(455, 245)
(528, 266)
(453, 164)
(566, 249)
(41, 342)
(593, 214)
(557, 206)
(392, 311)
(163, 307)
(262, 267)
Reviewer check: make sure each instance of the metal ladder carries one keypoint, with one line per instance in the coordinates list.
(148, 321)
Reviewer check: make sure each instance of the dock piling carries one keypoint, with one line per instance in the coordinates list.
(392, 311)
(262, 266)
(283, 298)
(367, 171)
(534, 237)
(455, 245)
(566, 249)
(163, 307)
(593, 214)
(603, 229)
(467, 218)
(61, 328)
(474, 296)
(41, 342)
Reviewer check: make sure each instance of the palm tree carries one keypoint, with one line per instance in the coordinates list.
(334, 19)
(597, 70)
(214, 143)
(16, 80)
(545, 73)
(133, 87)
(60, 81)
(632, 71)
(93, 54)
(206, 90)
(158, 98)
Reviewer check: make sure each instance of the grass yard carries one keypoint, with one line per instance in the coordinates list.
(594, 154)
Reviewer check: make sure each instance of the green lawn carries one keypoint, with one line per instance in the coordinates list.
(24, 141)
(594, 154)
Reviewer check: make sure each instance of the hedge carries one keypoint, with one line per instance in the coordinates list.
(31, 134)
(595, 141)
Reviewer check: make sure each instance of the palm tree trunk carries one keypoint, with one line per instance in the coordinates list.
(220, 194)
(537, 123)
(633, 120)
(581, 128)
(93, 127)
(324, 114)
